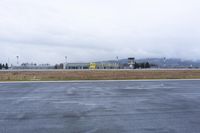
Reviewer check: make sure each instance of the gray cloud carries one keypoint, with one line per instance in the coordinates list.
(46, 31)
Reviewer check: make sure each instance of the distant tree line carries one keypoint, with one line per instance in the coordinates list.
(3, 66)
(59, 66)
(142, 65)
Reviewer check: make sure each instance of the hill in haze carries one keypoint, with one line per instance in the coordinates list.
(162, 62)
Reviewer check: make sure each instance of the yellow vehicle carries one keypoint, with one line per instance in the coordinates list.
(93, 66)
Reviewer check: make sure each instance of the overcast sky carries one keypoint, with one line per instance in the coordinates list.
(87, 30)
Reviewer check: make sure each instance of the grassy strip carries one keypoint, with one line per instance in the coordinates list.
(98, 75)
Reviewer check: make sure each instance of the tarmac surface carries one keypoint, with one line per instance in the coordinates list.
(100, 107)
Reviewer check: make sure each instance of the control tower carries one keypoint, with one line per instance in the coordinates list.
(131, 62)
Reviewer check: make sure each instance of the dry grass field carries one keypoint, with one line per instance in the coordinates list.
(98, 75)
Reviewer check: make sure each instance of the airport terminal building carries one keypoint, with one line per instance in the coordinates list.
(92, 66)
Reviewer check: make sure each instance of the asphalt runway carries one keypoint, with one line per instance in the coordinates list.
(100, 107)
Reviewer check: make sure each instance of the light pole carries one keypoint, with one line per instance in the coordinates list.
(117, 58)
(17, 60)
(65, 63)
(164, 60)
(8, 61)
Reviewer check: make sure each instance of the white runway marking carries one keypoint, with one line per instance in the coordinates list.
(93, 81)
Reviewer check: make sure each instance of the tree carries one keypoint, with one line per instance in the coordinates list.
(147, 65)
(6, 66)
(142, 65)
(56, 66)
(1, 67)
(136, 66)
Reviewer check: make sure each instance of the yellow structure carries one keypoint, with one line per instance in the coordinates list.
(93, 66)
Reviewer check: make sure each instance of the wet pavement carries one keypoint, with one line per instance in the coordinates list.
(100, 107)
